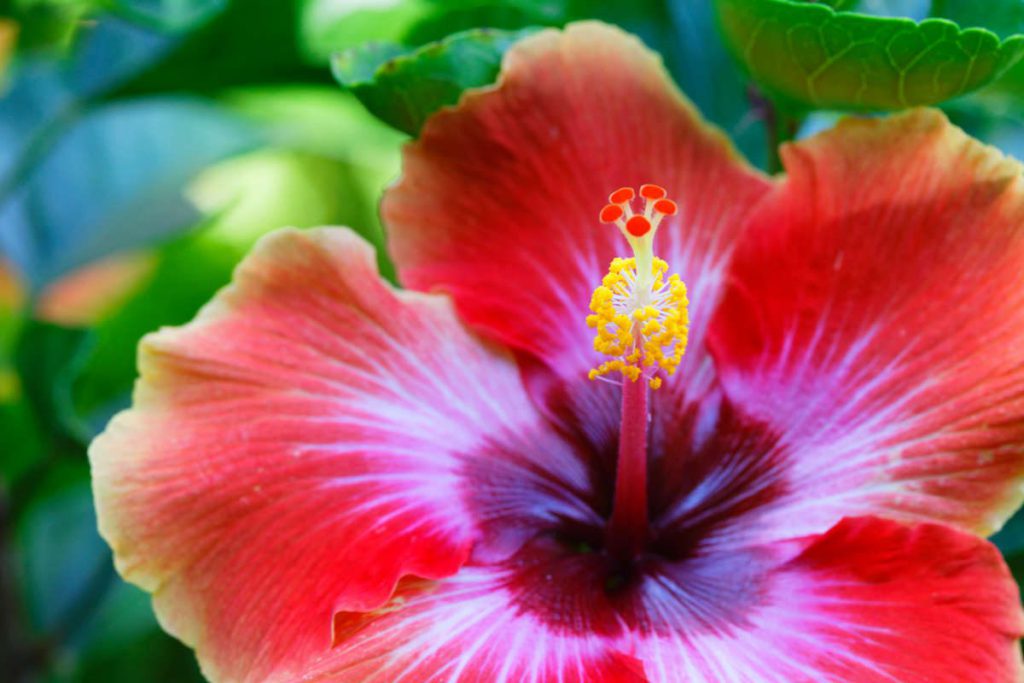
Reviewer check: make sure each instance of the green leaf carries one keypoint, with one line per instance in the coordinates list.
(252, 41)
(683, 31)
(328, 27)
(48, 359)
(67, 567)
(696, 55)
(1005, 18)
(131, 647)
(79, 179)
(46, 94)
(46, 25)
(249, 196)
(22, 443)
(321, 120)
(167, 15)
(114, 181)
(453, 16)
(812, 56)
(403, 88)
(1010, 541)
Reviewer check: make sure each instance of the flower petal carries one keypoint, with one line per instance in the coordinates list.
(294, 451)
(870, 601)
(465, 628)
(499, 199)
(875, 320)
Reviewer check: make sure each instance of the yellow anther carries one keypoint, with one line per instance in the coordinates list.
(641, 322)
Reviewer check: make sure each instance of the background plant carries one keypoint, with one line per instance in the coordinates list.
(146, 144)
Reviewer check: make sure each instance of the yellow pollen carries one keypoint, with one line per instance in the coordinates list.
(640, 316)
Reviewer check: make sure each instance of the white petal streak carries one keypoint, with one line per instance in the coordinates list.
(798, 636)
(461, 630)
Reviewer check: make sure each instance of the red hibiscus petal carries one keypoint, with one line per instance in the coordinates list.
(295, 450)
(874, 319)
(499, 199)
(871, 601)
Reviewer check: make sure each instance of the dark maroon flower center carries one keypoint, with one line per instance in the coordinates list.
(712, 470)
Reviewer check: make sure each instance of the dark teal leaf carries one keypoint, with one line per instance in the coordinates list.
(66, 167)
(45, 93)
(812, 56)
(252, 41)
(127, 645)
(167, 15)
(1010, 541)
(403, 88)
(113, 181)
(67, 567)
(48, 358)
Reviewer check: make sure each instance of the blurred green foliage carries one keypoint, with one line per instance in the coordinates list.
(145, 145)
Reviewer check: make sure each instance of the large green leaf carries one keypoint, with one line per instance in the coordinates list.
(252, 41)
(404, 87)
(813, 56)
(80, 179)
(46, 94)
(113, 181)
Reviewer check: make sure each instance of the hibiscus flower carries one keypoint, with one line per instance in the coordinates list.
(324, 478)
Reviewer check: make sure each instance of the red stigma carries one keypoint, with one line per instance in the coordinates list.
(638, 226)
(666, 206)
(621, 195)
(652, 191)
(611, 213)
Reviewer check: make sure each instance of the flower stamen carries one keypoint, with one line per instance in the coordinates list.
(640, 315)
